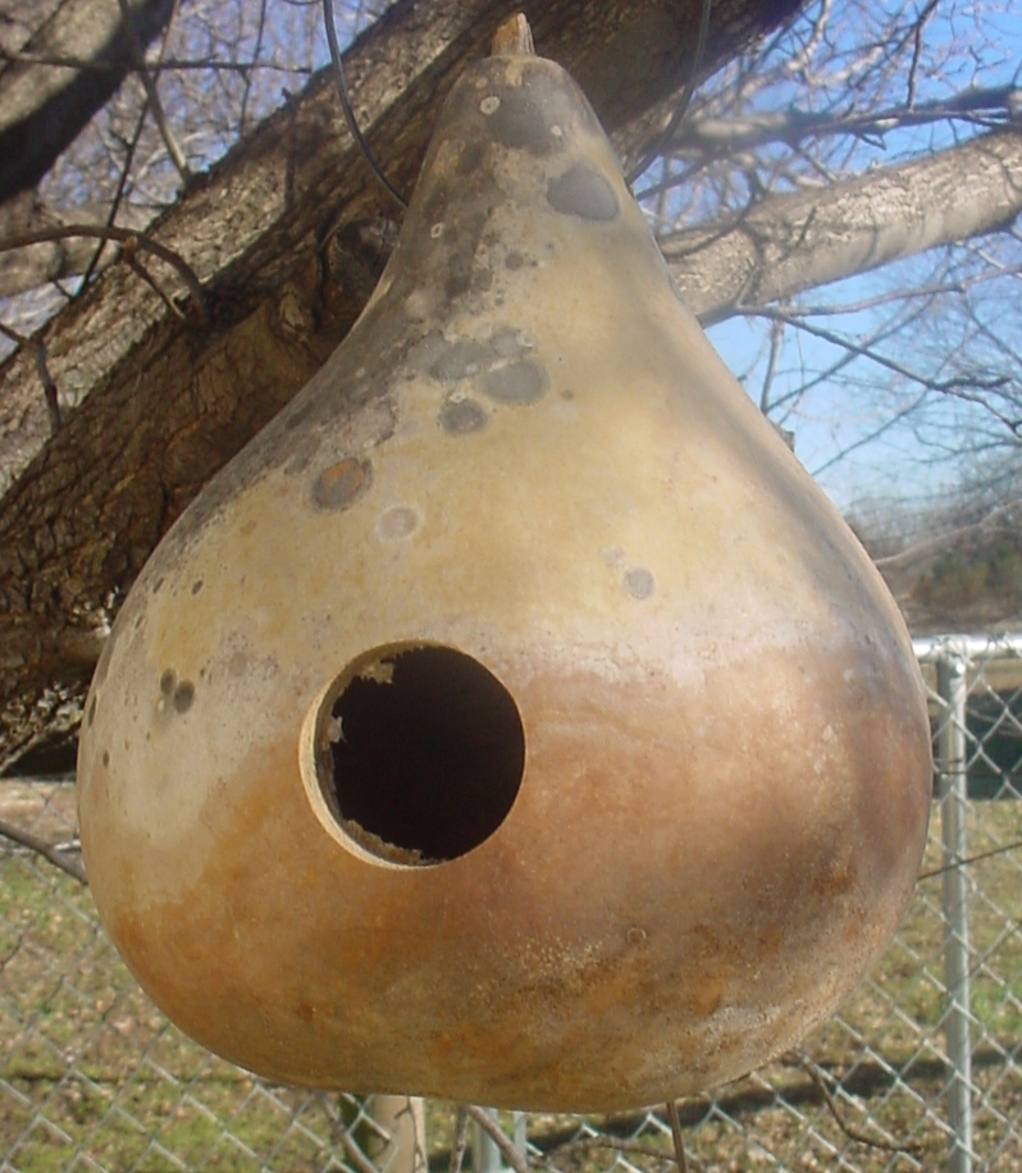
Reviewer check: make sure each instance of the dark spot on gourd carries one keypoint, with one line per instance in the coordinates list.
(471, 158)
(157, 584)
(340, 485)
(91, 716)
(196, 586)
(639, 583)
(167, 681)
(458, 361)
(508, 342)
(519, 121)
(513, 261)
(184, 694)
(460, 417)
(459, 282)
(106, 757)
(482, 280)
(582, 191)
(521, 382)
(537, 114)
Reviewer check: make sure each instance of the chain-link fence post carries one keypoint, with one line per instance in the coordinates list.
(952, 781)
(403, 1118)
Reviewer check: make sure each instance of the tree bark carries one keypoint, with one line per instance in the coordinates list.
(287, 236)
(44, 108)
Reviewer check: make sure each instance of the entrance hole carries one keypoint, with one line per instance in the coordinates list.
(423, 753)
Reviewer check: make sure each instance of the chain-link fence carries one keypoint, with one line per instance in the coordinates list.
(921, 1070)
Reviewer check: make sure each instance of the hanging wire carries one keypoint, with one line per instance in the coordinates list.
(663, 139)
(349, 113)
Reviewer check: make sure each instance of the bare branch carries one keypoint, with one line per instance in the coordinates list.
(168, 65)
(155, 105)
(126, 237)
(66, 863)
(817, 1075)
(717, 136)
(493, 1130)
(41, 115)
(787, 243)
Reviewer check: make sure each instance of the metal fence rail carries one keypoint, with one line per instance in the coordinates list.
(921, 1070)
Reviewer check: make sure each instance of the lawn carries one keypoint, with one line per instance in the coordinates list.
(92, 1077)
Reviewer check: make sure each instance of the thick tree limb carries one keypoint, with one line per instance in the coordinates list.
(788, 243)
(160, 407)
(42, 109)
(286, 235)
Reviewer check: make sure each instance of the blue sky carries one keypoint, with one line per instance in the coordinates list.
(920, 439)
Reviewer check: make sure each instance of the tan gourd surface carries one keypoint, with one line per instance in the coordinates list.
(527, 451)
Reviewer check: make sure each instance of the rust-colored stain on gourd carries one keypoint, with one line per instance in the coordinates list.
(342, 483)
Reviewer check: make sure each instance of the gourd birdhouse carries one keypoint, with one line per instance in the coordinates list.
(513, 720)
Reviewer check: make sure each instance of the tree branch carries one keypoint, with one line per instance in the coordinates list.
(155, 408)
(67, 863)
(785, 244)
(130, 239)
(721, 136)
(42, 111)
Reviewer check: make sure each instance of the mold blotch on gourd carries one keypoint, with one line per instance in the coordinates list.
(639, 583)
(582, 191)
(184, 694)
(342, 483)
(461, 417)
(420, 752)
(520, 382)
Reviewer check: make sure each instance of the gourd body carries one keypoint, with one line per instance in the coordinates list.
(526, 453)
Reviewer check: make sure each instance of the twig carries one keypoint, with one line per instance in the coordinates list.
(183, 64)
(48, 851)
(115, 203)
(140, 271)
(124, 236)
(677, 1136)
(460, 1142)
(913, 1148)
(354, 1153)
(247, 81)
(493, 1130)
(49, 386)
(159, 116)
(961, 863)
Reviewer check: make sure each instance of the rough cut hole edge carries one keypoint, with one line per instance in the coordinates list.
(319, 731)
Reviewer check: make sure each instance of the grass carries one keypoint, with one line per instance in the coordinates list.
(92, 1077)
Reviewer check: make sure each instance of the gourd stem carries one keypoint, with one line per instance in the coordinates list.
(513, 36)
